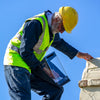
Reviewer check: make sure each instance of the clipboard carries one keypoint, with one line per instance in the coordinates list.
(53, 68)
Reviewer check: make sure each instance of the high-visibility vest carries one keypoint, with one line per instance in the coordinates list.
(12, 56)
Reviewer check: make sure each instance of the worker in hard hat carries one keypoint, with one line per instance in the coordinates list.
(27, 49)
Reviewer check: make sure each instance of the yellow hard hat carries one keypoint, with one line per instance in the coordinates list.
(69, 17)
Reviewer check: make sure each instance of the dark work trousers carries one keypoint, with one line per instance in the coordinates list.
(21, 82)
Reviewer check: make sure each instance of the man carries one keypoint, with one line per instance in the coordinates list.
(27, 48)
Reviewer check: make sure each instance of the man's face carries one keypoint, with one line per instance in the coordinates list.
(61, 27)
(58, 27)
(57, 24)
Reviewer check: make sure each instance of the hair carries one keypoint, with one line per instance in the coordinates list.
(57, 14)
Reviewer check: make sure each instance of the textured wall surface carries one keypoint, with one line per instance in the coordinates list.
(90, 83)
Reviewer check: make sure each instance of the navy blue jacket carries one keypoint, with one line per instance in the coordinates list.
(31, 33)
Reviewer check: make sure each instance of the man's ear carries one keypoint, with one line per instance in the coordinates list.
(56, 19)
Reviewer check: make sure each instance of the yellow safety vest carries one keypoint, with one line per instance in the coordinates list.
(12, 56)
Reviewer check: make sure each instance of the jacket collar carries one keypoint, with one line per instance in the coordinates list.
(48, 15)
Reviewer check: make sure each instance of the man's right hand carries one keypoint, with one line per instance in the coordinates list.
(85, 56)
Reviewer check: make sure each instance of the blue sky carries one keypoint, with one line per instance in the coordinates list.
(85, 37)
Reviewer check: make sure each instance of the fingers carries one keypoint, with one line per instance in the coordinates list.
(87, 57)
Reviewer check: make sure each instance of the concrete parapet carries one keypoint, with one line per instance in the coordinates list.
(90, 83)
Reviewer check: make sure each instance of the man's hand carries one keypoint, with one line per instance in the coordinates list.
(48, 72)
(51, 73)
(85, 56)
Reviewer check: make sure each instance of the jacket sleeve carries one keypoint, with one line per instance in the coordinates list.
(64, 47)
(30, 37)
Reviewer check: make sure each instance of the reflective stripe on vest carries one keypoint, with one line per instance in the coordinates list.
(12, 47)
(36, 47)
(38, 44)
(44, 40)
